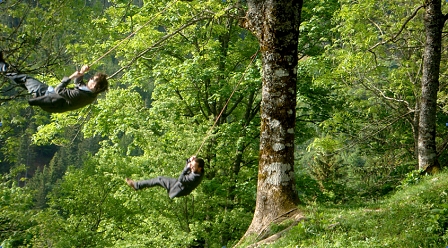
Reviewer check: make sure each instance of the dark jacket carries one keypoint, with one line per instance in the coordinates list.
(65, 99)
(186, 182)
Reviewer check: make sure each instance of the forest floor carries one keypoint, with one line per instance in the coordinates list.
(415, 215)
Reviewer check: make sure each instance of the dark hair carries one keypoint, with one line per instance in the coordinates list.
(200, 162)
(101, 82)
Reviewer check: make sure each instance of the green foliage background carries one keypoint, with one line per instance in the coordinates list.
(63, 174)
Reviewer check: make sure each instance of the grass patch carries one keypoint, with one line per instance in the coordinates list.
(414, 216)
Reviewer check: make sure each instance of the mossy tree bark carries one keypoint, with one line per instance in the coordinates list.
(276, 25)
(434, 21)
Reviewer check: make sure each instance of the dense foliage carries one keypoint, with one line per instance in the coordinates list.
(62, 181)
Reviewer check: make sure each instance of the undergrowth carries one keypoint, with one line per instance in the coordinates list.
(416, 215)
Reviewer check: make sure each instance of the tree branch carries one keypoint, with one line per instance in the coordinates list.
(399, 32)
(164, 38)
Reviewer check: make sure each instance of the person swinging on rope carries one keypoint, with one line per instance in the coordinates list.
(189, 179)
(61, 98)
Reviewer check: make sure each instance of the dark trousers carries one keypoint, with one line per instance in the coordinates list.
(31, 84)
(165, 182)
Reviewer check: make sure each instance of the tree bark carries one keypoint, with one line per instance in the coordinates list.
(276, 25)
(434, 21)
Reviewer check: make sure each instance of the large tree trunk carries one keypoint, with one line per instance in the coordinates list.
(276, 24)
(434, 21)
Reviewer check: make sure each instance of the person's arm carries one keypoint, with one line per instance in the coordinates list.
(70, 94)
(61, 88)
(185, 171)
(187, 176)
(80, 73)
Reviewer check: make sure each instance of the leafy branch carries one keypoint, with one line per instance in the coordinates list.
(414, 13)
(160, 41)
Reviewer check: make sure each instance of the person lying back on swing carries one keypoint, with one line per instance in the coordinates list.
(189, 179)
(61, 98)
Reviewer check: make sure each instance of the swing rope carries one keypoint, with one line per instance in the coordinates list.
(133, 33)
(228, 100)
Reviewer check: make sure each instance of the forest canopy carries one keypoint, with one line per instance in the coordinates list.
(174, 66)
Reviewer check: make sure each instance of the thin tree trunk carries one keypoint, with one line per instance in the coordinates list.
(434, 21)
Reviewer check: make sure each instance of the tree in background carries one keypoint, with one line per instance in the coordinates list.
(372, 74)
(434, 22)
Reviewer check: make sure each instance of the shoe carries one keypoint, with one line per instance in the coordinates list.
(130, 182)
(3, 64)
(3, 67)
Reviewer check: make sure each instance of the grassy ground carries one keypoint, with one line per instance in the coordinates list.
(414, 216)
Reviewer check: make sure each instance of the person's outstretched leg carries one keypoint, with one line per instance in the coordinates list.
(31, 84)
(165, 182)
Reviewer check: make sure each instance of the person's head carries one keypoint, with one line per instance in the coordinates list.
(197, 165)
(98, 83)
